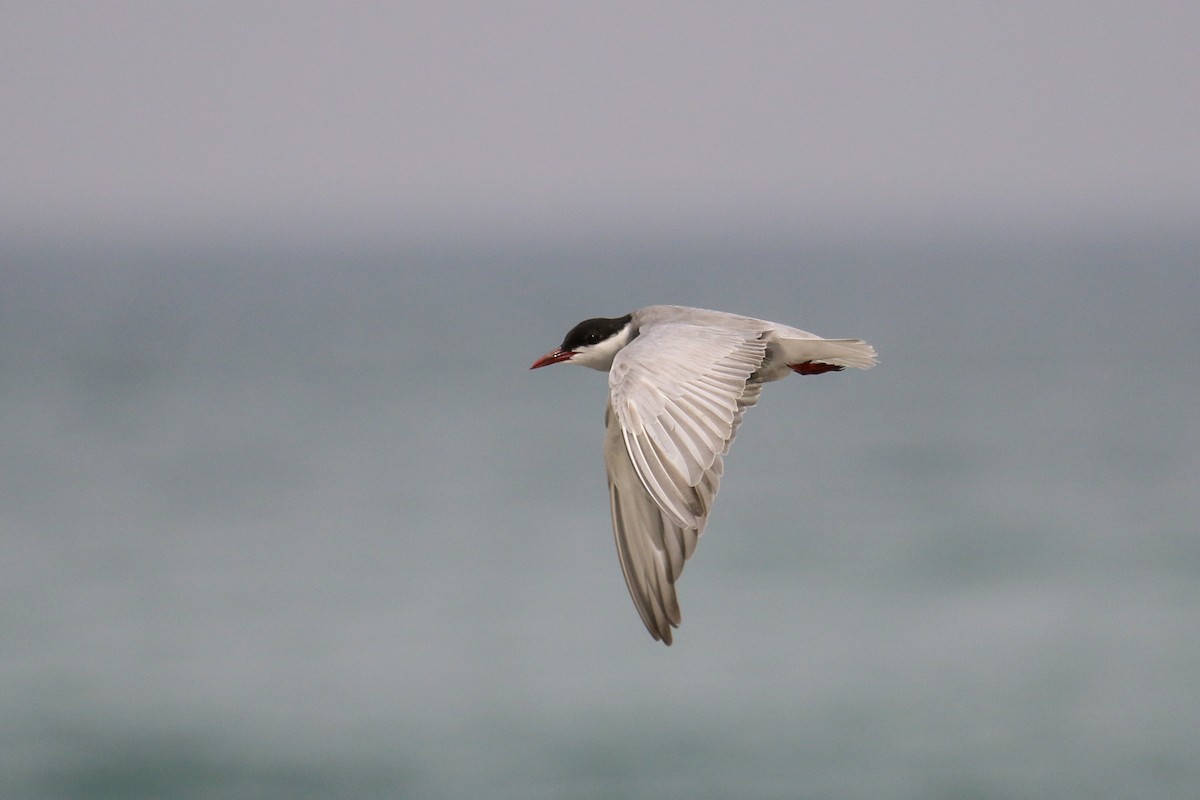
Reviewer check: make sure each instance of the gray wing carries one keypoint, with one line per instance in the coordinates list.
(677, 395)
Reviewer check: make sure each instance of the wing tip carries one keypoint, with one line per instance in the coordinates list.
(664, 634)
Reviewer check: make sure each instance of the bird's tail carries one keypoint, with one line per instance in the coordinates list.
(836, 353)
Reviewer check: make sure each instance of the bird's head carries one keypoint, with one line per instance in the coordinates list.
(592, 343)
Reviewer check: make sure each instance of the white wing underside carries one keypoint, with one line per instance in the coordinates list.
(677, 395)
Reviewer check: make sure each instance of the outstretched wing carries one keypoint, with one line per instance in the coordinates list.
(677, 395)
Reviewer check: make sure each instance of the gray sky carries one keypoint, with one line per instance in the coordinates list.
(370, 118)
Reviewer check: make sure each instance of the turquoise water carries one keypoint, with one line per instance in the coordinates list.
(290, 521)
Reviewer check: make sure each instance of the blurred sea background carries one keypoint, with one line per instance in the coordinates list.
(285, 515)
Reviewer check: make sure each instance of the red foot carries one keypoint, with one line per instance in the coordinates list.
(813, 368)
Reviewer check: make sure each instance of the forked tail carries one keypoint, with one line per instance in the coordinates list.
(815, 356)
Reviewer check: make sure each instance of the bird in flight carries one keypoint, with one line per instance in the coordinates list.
(679, 381)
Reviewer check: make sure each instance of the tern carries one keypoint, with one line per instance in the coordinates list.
(679, 381)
